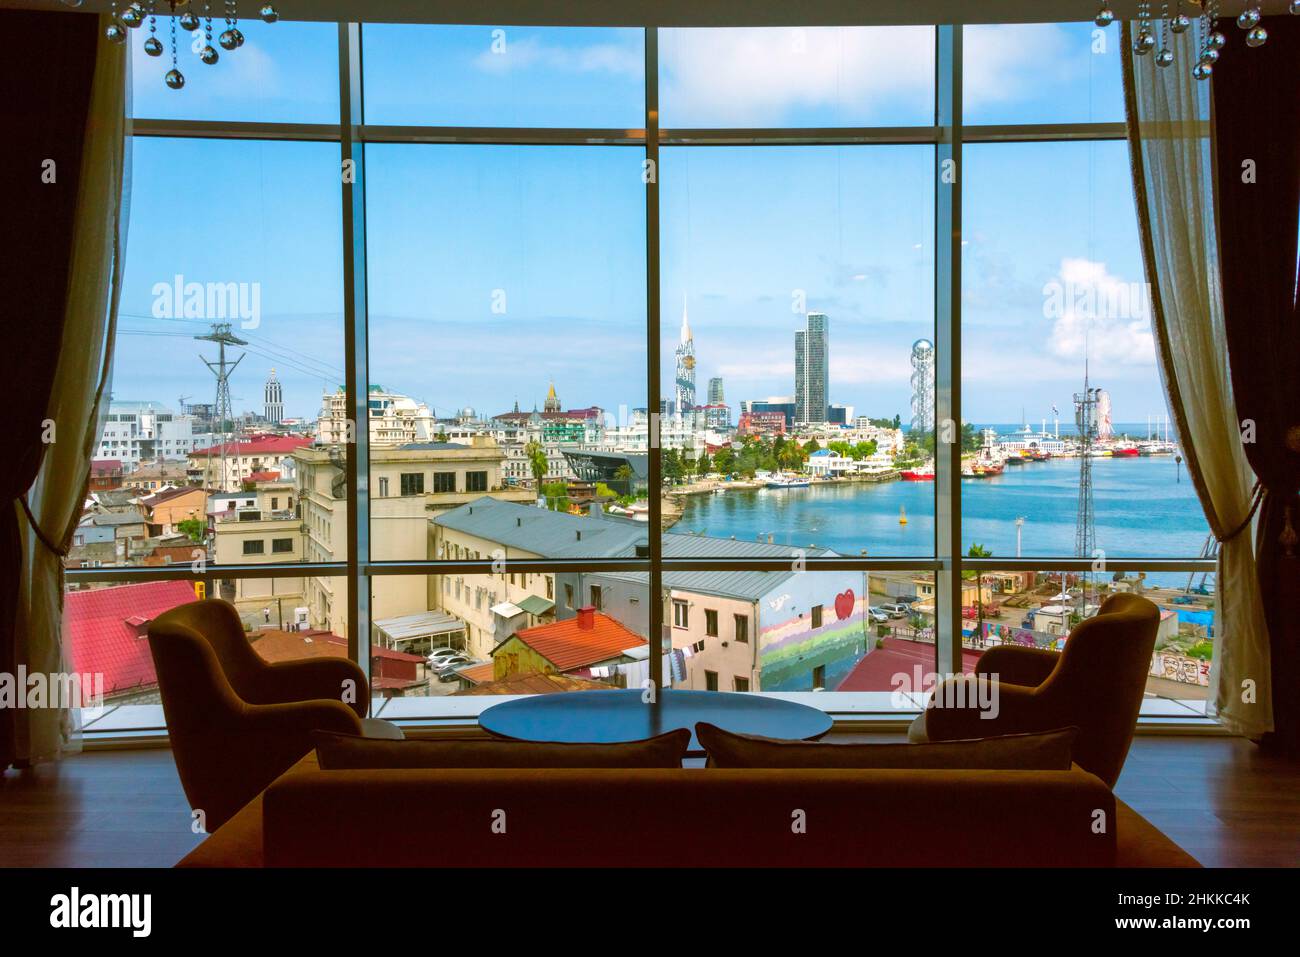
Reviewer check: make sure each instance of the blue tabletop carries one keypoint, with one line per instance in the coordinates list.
(599, 717)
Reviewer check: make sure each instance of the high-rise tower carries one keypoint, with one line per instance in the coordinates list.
(273, 400)
(685, 390)
(922, 386)
(715, 391)
(811, 375)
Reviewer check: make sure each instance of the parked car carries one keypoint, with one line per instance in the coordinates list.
(446, 670)
(439, 655)
(896, 610)
(877, 614)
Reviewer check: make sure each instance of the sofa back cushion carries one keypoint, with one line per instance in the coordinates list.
(688, 817)
(1046, 751)
(341, 752)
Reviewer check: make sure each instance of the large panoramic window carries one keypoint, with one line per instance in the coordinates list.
(795, 292)
(574, 337)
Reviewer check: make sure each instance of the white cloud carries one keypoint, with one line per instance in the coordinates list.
(1098, 315)
(758, 76)
(532, 53)
(755, 76)
(1001, 62)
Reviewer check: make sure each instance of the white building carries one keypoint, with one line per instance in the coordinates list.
(395, 419)
(827, 464)
(140, 432)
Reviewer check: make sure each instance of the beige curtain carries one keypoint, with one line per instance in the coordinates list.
(1169, 140)
(80, 384)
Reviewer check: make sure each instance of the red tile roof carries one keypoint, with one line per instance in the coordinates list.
(536, 683)
(479, 673)
(274, 644)
(567, 645)
(263, 476)
(876, 671)
(106, 627)
(105, 466)
(260, 445)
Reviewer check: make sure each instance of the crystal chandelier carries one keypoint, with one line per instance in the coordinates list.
(181, 13)
(1209, 39)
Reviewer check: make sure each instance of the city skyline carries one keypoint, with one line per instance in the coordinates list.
(539, 251)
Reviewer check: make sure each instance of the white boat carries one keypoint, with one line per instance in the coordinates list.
(788, 481)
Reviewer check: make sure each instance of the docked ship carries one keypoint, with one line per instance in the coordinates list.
(923, 473)
(788, 481)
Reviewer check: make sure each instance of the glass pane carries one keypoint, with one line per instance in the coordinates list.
(504, 76)
(1041, 73)
(787, 339)
(254, 276)
(1052, 291)
(105, 627)
(506, 633)
(284, 73)
(507, 329)
(1041, 609)
(800, 76)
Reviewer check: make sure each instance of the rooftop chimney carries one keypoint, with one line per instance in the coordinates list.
(587, 617)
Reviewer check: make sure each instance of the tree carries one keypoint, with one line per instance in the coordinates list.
(977, 550)
(703, 466)
(194, 528)
(724, 461)
(557, 496)
(537, 461)
(672, 466)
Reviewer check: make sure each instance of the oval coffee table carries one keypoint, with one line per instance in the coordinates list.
(603, 717)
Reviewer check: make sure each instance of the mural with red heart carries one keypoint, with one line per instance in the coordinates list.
(844, 604)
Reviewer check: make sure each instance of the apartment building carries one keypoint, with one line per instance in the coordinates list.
(138, 432)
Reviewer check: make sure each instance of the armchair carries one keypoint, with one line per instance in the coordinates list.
(236, 721)
(1095, 684)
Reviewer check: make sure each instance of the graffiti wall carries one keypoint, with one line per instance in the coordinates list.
(999, 634)
(1191, 671)
(795, 652)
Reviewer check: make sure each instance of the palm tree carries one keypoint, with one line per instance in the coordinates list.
(537, 462)
(979, 551)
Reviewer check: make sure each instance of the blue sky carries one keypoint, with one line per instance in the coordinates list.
(555, 235)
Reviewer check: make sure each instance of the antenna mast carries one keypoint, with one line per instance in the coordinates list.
(221, 409)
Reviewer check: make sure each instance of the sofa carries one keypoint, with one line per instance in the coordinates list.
(686, 817)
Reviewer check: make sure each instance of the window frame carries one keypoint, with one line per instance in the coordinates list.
(947, 134)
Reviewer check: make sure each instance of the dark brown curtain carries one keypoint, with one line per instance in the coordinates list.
(46, 74)
(1257, 172)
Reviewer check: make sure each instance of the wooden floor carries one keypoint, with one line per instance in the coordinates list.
(1219, 798)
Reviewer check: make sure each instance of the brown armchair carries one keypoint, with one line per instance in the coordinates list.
(1095, 684)
(236, 721)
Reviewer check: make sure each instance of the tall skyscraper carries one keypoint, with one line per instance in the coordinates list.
(922, 386)
(273, 399)
(685, 366)
(715, 391)
(811, 375)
